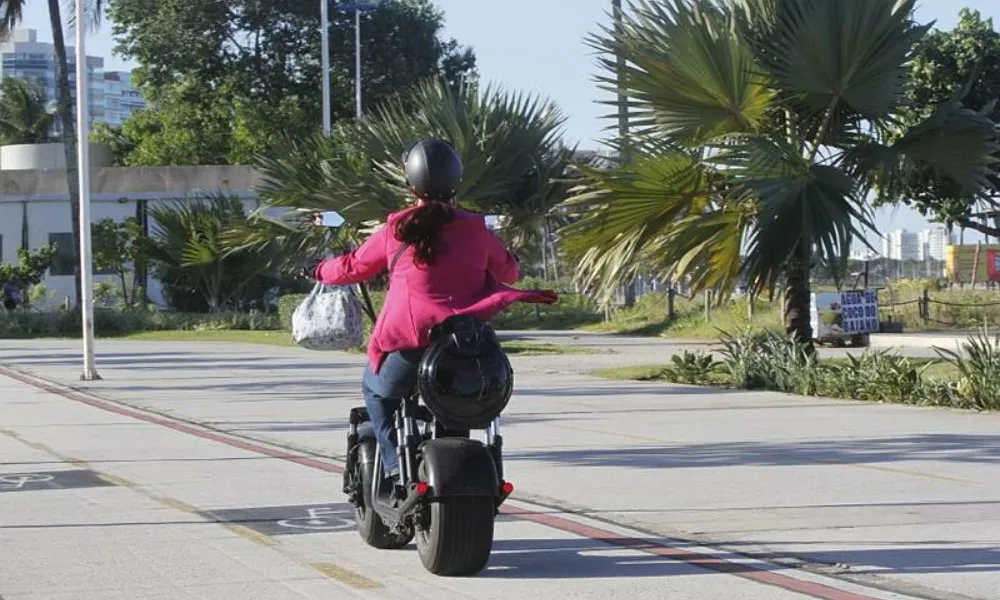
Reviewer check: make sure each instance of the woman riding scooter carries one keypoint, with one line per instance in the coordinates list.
(443, 261)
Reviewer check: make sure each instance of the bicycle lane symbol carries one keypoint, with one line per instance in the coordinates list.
(322, 518)
(19, 480)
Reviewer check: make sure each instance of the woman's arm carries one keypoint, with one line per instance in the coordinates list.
(501, 262)
(358, 266)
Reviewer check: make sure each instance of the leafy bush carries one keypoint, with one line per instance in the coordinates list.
(884, 377)
(979, 366)
(742, 359)
(287, 304)
(767, 360)
(198, 273)
(25, 323)
(695, 368)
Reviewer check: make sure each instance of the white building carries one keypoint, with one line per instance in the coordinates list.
(901, 244)
(934, 243)
(121, 97)
(35, 208)
(111, 99)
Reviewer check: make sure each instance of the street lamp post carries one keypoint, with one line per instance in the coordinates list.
(324, 19)
(623, 152)
(357, 7)
(83, 168)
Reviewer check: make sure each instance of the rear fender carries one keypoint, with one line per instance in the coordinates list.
(459, 467)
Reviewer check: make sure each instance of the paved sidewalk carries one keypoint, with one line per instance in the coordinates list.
(900, 498)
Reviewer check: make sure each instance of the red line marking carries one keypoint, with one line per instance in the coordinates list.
(719, 565)
(705, 561)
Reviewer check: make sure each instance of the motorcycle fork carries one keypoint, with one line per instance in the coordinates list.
(405, 428)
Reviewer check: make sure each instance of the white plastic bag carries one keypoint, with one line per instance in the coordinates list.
(328, 319)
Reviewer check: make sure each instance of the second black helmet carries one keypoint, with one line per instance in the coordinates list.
(432, 169)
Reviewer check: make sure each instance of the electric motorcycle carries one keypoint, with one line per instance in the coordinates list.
(451, 486)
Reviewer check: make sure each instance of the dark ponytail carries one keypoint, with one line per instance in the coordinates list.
(422, 227)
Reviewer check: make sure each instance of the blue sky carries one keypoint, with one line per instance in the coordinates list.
(538, 46)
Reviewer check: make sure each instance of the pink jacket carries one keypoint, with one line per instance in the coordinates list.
(467, 278)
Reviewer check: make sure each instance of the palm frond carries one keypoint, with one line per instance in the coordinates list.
(509, 144)
(796, 200)
(11, 14)
(25, 115)
(957, 143)
(688, 75)
(619, 210)
(841, 58)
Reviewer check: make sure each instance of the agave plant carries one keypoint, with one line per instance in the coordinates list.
(505, 139)
(760, 127)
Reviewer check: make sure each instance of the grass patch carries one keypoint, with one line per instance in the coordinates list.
(662, 373)
(649, 318)
(283, 339)
(270, 338)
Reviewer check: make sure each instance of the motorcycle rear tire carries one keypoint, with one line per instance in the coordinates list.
(371, 527)
(459, 538)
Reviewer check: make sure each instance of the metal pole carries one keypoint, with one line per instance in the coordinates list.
(616, 11)
(324, 19)
(83, 164)
(357, 60)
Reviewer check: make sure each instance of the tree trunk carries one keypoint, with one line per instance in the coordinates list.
(140, 287)
(552, 251)
(797, 295)
(630, 294)
(65, 110)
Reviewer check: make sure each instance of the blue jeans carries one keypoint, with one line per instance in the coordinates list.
(384, 392)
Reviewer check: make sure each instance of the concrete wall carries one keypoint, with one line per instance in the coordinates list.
(23, 157)
(40, 197)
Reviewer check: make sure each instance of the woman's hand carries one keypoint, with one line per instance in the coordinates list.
(309, 270)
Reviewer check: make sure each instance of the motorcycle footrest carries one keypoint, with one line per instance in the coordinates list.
(359, 415)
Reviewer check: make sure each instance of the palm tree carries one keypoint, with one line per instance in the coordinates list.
(504, 140)
(760, 127)
(186, 252)
(11, 13)
(25, 117)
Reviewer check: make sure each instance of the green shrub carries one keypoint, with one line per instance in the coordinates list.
(884, 377)
(978, 363)
(109, 322)
(742, 359)
(691, 367)
(286, 307)
(769, 360)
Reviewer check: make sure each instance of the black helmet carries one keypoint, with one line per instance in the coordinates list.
(433, 169)
(465, 378)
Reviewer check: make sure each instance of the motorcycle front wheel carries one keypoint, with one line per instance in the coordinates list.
(458, 535)
(371, 527)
